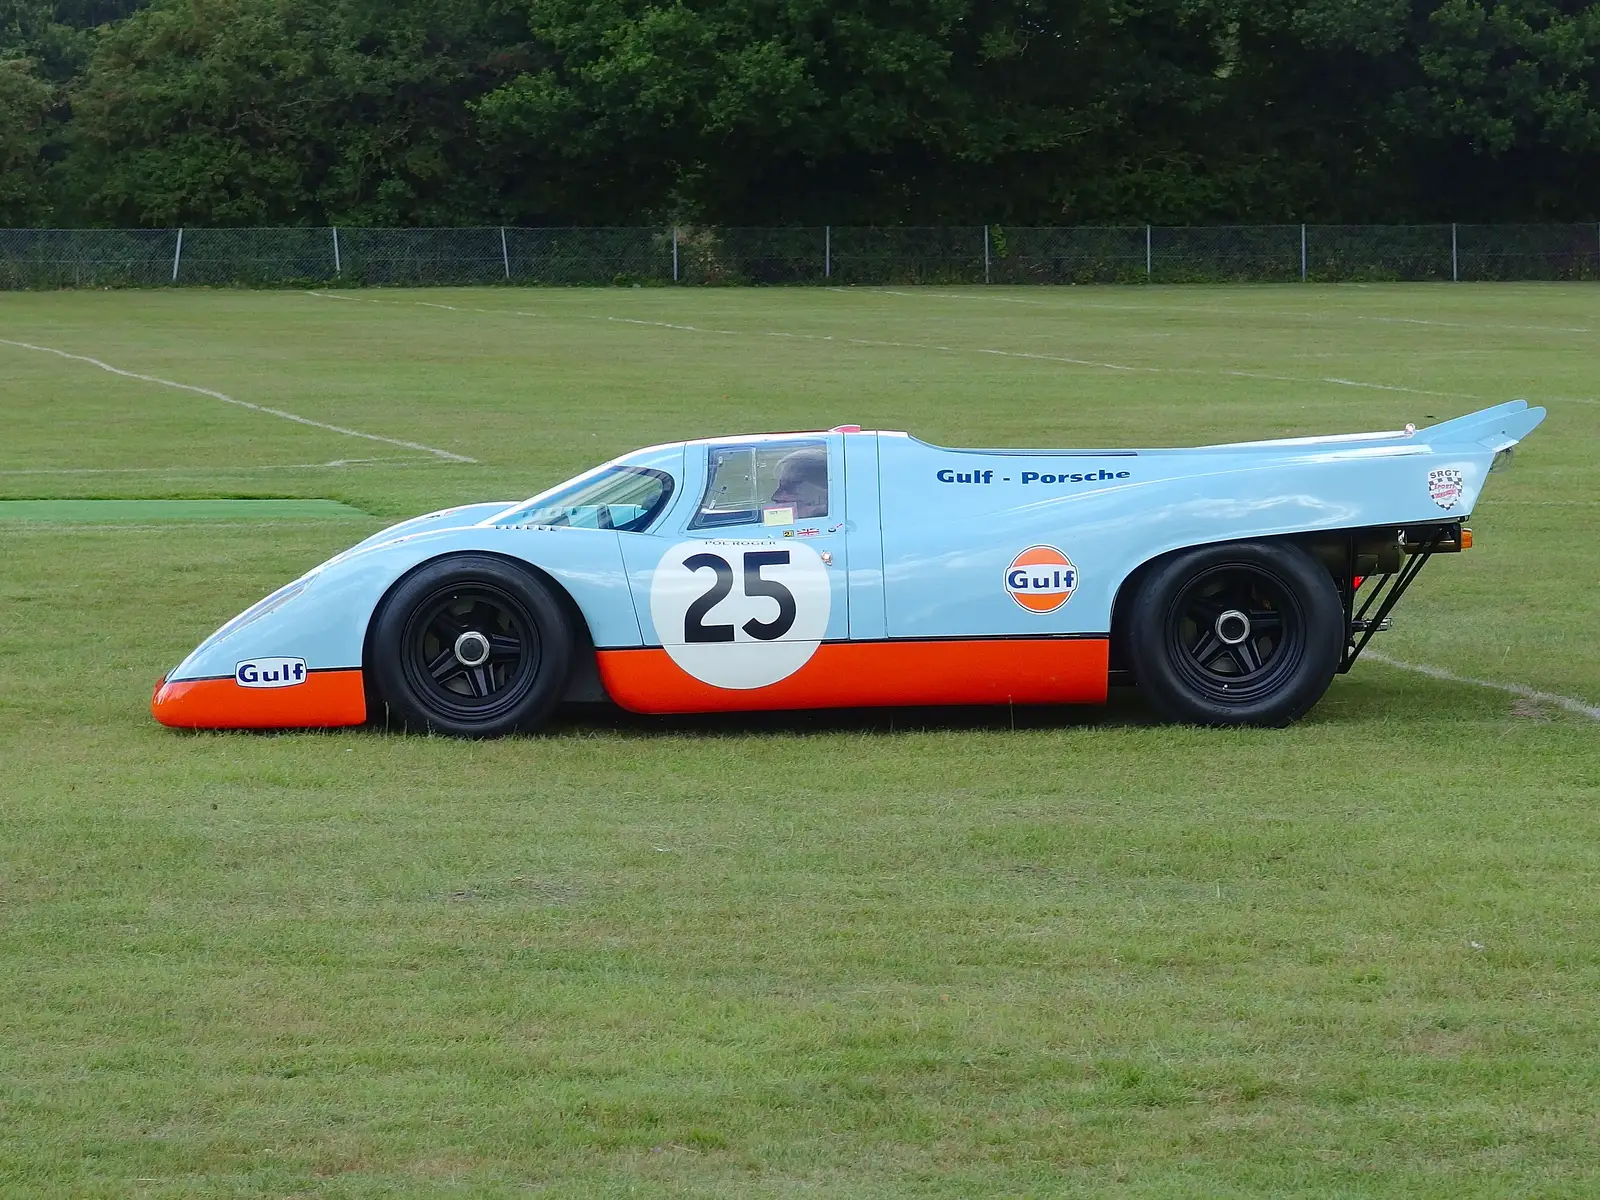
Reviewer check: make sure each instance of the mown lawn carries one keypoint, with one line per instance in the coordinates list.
(897, 953)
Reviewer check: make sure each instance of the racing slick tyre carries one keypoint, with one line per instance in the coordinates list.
(1242, 633)
(472, 646)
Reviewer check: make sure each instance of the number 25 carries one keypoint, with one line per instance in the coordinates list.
(694, 627)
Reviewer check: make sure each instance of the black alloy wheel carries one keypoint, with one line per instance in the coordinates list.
(474, 650)
(470, 645)
(1236, 634)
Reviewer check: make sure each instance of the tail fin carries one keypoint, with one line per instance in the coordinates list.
(1494, 429)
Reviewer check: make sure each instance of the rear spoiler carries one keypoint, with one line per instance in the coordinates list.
(1494, 429)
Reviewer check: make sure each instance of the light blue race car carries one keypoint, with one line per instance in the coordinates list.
(852, 568)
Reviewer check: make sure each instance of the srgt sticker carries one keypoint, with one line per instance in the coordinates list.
(1445, 486)
(740, 614)
(270, 672)
(1041, 579)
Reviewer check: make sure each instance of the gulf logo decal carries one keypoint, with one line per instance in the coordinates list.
(1041, 579)
(270, 672)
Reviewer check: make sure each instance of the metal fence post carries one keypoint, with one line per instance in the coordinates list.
(1147, 251)
(827, 251)
(505, 254)
(674, 254)
(338, 269)
(1455, 272)
(1302, 251)
(986, 254)
(177, 255)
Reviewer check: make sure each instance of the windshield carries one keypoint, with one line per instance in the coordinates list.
(622, 498)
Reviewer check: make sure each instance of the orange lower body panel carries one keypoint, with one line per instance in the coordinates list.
(878, 674)
(325, 699)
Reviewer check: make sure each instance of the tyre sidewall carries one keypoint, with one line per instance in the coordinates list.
(385, 646)
(1312, 588)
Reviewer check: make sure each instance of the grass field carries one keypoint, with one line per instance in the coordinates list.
(900, 953)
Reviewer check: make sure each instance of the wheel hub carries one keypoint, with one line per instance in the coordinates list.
(1232, 627)
(472, 649)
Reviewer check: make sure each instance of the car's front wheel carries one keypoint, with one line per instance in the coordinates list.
(472, 646)
(1243, 633)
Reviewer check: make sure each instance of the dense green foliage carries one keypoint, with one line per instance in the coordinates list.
(213, 112)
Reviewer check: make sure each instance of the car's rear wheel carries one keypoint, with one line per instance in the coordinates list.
(1244, 633)
(470, 645)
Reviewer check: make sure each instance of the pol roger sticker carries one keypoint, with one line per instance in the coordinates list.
(740, 614)
(1041, 579)
(270, 672)
(1445, 486)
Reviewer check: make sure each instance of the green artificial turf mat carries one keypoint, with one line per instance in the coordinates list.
(151, 512)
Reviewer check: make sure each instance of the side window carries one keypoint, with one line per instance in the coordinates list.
(767, 484)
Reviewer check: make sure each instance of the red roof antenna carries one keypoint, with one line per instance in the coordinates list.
(845, 429)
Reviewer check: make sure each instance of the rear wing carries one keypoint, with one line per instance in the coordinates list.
(1494, 429)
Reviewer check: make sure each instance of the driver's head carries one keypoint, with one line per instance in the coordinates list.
(803, 482)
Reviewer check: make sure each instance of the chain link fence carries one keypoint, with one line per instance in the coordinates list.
(839, 256)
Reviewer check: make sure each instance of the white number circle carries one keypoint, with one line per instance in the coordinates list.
(740, 614)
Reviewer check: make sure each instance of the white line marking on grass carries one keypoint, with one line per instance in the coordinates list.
(1202, 309)
(498, 312)
(1388, 387)
(226, 399)
(337, 462)
(1473, 325)
(1059, 358)
(56, 529)
(1097, 364)
(1514, 689)
(419, 303)
(946, 296)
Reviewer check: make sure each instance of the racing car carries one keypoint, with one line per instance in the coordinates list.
(853, 568)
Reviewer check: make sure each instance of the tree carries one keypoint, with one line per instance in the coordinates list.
(863, 110)
(799, 111)
(260, 112)
(25, 104)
